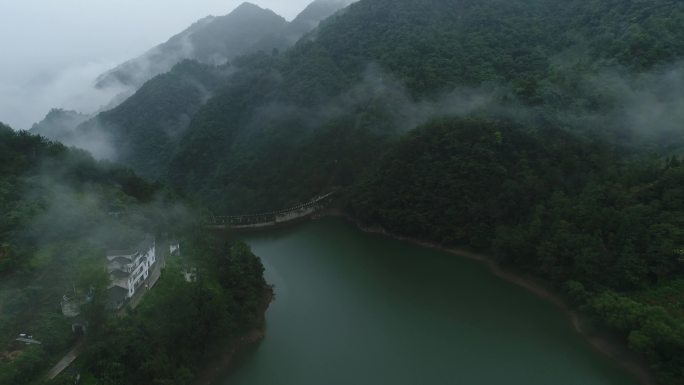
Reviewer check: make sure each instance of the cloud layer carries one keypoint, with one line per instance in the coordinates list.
(54, 50)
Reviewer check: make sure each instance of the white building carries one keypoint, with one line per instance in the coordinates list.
(174, 248)
(71, 306)
(128, 270)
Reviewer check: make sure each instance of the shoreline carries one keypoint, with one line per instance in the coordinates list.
(226, 359)
(613, 350)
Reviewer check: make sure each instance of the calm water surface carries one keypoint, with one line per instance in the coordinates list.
(353, 308)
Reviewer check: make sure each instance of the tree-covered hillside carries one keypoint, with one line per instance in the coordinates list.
(217, 39)
(143, 131)
(59, 125)
(604, 228)
(550, 136)
(221, 302)
(378, 69)
(212, 40)
(61, 211)
(381, 67)
(36, 174)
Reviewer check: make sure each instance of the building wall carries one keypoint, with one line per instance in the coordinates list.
(139, 269)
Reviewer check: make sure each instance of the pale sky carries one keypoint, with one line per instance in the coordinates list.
(52, 49)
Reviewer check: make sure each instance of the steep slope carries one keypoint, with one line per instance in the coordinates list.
(312, 16)
(143, 130)
(57, 220)
(596, 225)
(380, 67)
(216, 40)
(325, 82)
(61, 211)
(59, 124)
(528, 176)
(212, 40)
(42, 181)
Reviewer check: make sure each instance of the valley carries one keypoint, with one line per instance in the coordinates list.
(544, 134)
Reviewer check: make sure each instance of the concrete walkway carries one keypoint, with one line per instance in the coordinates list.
(155, 274)
(67, 360)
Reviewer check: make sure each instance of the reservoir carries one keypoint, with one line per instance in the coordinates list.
(354, 308)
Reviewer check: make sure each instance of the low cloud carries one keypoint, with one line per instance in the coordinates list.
(25, 103)
(390, 101)
(645, 107)
(650, 103)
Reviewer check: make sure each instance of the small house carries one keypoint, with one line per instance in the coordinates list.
(128, 270)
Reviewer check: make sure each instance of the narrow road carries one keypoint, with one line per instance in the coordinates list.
(155, 274)
(65, 361)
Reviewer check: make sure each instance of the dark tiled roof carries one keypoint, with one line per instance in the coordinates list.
(120, 274)
(120, 253)
(143, 246)
(123, 260)
(117, 294)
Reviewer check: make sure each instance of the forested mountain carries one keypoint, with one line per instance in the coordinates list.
(212, 40)
(312, 16)
(143, 131)
(601, 227)
(39, 176)
(545, 132)
(380, 67)
(59, 124)
(553, 170)
(216, 40)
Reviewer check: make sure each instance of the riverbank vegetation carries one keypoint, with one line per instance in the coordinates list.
(204, 302)
(61, 211)
(553, 141)
(601, 226)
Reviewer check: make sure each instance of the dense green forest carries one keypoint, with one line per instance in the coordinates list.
(50, 193)
(59, 124)
(604, 228)
(375, 67)
(61, 211)
(146, 127)
(379, 68)
(550, 135)
(185, 322)
(143, 131)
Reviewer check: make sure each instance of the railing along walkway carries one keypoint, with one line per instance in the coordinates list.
(271, 218)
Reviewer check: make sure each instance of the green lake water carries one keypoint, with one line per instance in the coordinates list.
(353, 308)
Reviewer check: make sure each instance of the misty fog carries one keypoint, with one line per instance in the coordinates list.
(53, 54)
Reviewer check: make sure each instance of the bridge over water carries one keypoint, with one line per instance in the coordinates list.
(265, 220)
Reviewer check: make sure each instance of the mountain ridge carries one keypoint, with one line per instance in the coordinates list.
(266, 31)
(213, 40)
